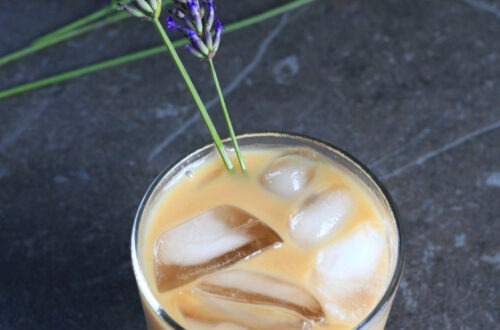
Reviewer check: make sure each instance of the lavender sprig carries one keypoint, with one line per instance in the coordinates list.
(197, 25)
(197, 22)
(150, 10)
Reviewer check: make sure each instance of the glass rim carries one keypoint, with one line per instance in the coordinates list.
(140, 278)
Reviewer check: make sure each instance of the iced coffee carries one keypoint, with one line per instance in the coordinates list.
(305, 240)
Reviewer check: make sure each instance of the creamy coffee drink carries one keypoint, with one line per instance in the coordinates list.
(299, 242)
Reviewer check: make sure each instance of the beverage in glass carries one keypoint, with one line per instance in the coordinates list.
(306, 239)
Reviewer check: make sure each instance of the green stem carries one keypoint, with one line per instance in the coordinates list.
(45, 41)
(194, 94)
(74, 25)
(59, 38)
(20, 53)
(226, 116)
(84, 70)
(141, 54)
(114, 18)
(67, 33)
(267, 14)
(82, 21)
(90, 27)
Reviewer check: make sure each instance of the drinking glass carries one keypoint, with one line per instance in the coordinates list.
(157, 318)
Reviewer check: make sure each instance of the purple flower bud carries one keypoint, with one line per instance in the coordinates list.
(195, 14)
(209, 17)
(171, 25)
(218, 30)
(218, 25)
(208, 40)
(194, 51)
(197, 43)
(180, 14)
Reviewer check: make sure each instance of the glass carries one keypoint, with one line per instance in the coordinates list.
(157, 317)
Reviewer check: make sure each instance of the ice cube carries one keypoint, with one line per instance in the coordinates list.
(201, 311)
(349, 275)
(259, 288)
(288, 174)
(212, 240)
(320, 216)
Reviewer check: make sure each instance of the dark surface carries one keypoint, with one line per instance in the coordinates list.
(411, 88)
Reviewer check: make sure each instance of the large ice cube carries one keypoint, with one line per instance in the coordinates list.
(349, 275)
(201, 312)
(288, 174)
(320, 216)
(259, 288)
(212, 240)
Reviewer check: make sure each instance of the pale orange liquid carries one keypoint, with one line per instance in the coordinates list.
(210, 185)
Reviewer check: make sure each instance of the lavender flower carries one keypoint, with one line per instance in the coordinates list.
(197, 22)
(197, 27)
(147, 9)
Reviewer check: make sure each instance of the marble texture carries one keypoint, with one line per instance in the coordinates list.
(410, 87)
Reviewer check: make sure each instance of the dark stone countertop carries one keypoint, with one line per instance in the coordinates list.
(411, 88)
